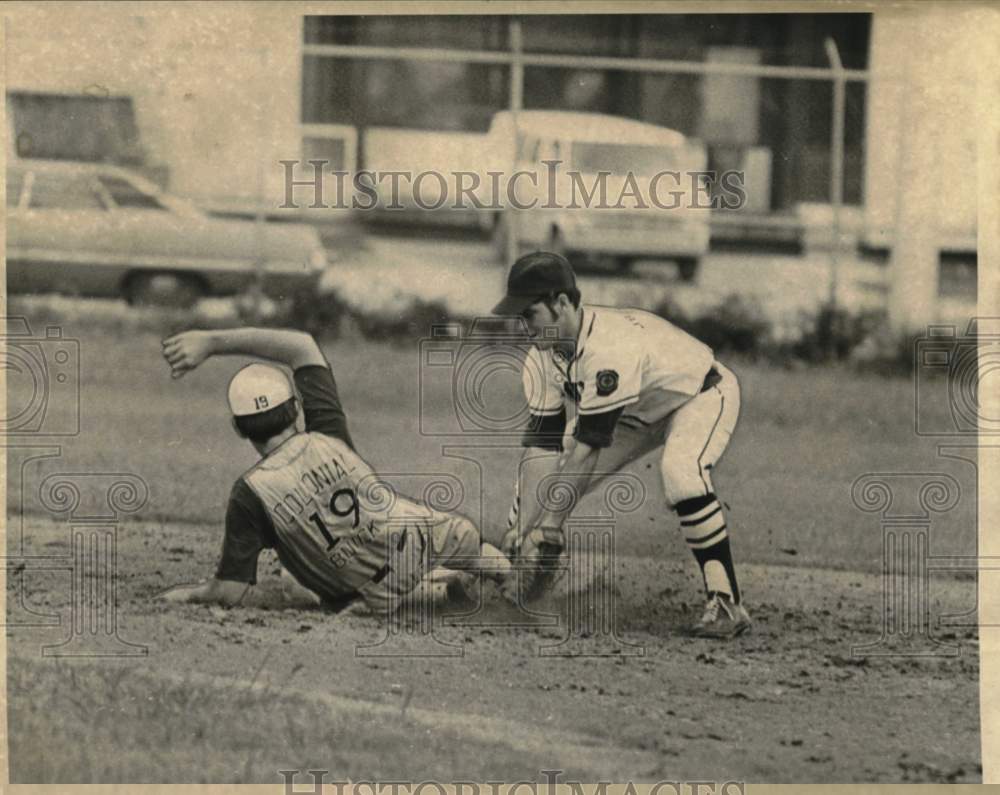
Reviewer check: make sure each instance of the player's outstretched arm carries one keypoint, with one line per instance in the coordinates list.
(227, 593)
(537, 464)
(187, 350)
(575, 469)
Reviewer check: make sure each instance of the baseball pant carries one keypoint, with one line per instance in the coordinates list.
(448, 541)
(693, 439)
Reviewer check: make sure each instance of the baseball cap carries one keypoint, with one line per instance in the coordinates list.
(258, 388)
(533, 276)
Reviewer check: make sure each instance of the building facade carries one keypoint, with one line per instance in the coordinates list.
(213, 101)
(729, 114)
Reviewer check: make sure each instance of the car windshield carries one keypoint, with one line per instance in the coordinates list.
(591, 158)
(125, 194)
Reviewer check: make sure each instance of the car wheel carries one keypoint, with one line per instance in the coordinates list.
(687, 268)
(163, 289)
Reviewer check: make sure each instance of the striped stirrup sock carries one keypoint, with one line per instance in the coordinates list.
(703, 523)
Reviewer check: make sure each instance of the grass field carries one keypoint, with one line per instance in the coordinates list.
(804, 436)
(147, 728)
(235, 696)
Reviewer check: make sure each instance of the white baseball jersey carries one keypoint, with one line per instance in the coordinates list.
(625, 359)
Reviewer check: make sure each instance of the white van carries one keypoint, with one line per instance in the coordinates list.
(637, 216)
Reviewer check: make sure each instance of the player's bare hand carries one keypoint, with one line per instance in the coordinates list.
(187, 350)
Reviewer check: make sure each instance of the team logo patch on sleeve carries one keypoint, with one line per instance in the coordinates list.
(607, 382)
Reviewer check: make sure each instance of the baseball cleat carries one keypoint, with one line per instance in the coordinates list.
(722, 619)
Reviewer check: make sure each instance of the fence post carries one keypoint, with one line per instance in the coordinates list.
(913, 267)
(259, 230)
(836, 164)
(516, 105)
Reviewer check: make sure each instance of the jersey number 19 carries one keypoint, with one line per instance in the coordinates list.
(343, 503)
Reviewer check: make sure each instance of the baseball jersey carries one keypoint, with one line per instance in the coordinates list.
(627, 362)
(313, 499)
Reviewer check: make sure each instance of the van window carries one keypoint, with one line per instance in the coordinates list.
(591, 158)
(528, 148)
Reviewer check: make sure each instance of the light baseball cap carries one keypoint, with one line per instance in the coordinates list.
(258, 388)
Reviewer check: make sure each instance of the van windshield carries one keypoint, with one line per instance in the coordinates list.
(647, 159)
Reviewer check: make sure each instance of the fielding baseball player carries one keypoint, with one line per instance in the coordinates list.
(336, 529)
(636, 383)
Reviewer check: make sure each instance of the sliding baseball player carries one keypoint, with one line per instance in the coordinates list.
(337, 529)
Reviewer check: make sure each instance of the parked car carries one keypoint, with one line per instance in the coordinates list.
(592, 144)
(100, 230)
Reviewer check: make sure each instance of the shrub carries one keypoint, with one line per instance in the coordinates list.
(328, 315)
(321, 314)
(735, 325)
(407, 325)
(835, 333)
(669, 310)
(886, 353)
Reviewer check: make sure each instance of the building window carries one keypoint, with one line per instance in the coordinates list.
(75, 127)
(422, 95)
(781, 125)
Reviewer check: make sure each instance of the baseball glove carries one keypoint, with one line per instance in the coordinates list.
(538, 559)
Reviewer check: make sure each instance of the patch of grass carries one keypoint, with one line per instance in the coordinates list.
(804, 436)
(122, 724)
(735, 325)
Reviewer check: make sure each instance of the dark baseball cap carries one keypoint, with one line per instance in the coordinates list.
(533, 277)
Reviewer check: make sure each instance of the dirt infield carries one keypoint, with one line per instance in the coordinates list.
(788, 703)
(237, 696)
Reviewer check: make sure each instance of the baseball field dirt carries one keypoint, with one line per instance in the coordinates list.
(236, 696)
(600, 682)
